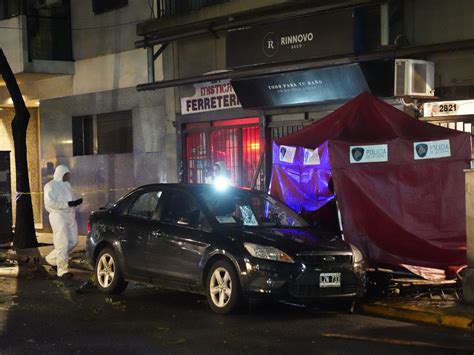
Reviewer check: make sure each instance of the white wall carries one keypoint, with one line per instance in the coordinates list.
(11, 41)
(113, 71)
(111, 32)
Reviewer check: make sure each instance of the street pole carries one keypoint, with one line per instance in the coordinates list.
(468, 279)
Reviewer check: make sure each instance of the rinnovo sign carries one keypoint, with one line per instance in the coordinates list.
(300, 38)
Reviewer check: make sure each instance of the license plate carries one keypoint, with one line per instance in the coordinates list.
(330, 279)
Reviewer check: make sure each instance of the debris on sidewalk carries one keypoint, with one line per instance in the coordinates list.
(402, 295)
(390, 283)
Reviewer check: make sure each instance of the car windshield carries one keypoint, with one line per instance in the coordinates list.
(250, 209)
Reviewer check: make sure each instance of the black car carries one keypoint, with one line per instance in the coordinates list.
(226, 244)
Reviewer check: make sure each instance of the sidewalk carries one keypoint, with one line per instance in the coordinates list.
(34, 257)
(447, 313)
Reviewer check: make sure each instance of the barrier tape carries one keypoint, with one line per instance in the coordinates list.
(76, 192)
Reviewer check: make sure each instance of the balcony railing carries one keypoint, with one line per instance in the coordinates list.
(9, 8)
(49, 38)
(48, 28)
(169, 8)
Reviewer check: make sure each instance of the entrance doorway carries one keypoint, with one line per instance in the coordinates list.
(234, 143)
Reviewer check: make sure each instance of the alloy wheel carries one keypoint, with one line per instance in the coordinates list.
(220, 287)
(105, 270)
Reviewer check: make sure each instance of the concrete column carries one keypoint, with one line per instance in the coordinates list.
(468, 280)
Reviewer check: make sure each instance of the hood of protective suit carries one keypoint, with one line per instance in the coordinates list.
(222, 167)
(60, 171)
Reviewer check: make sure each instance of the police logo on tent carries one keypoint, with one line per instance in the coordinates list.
(375, 153)
(287, 154)
(421, 149)
(357, 153)
(432, 149)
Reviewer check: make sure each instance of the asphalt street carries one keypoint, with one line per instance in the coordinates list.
(40, 314)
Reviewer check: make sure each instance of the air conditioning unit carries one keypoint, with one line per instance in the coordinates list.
(414, 78)
(48, 3)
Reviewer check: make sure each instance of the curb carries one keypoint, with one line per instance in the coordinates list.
(412, 313)
(12, 271)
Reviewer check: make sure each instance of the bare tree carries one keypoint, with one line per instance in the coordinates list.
(25, 236)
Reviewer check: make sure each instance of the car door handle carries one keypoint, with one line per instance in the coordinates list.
(156, 234)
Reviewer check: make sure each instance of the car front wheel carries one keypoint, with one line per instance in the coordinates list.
(223, 288)
(108, 276)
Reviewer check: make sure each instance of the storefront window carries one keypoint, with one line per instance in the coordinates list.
(233, 144)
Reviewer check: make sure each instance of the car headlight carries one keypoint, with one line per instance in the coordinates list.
(268, 253)
(357, 255)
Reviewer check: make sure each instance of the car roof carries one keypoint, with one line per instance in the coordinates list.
(194, 187)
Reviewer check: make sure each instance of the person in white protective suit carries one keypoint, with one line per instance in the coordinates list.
(220, 174)
(58, 200)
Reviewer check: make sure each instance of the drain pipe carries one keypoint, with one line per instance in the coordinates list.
(384, 24)
(151, 64)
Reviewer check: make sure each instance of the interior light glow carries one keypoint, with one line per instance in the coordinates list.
(221, 183)
(254, 146)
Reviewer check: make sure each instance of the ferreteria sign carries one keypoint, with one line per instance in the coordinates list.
(210, 96)
(432, 149)
(368, 153)
(299, 38)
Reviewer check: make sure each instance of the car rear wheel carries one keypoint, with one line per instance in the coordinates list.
(223, 288)
(108, 276)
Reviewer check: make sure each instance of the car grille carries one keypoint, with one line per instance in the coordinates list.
(324, 260)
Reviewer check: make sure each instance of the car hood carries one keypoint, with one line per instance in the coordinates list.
(293, 240)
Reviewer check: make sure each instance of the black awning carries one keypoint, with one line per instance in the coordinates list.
(301, 87)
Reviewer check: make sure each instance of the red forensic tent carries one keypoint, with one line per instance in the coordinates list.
(399, 181)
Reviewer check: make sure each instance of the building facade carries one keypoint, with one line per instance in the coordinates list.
(268, 50)
(88, 113)
(129, 92)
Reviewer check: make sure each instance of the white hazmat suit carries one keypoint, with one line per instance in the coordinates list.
(62, 217)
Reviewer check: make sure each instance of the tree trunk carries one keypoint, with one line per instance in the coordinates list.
(25, 236)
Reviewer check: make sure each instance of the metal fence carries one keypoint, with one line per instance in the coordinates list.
(169, 8)
(49, 38)
(9, 8)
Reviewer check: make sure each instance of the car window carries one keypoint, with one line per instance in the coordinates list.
(181, 209)
(253, 210)
(145, 206)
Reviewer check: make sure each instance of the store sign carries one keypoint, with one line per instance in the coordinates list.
(311, 157)
(301, 87)
(432, 149)
(448, 108)
(210, 96)
(299, 38)
(368, 153)
(287, 154)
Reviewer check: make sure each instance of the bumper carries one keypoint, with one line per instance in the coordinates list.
(90, 245)
(298, 282)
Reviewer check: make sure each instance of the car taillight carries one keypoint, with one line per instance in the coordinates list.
(88, 227)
